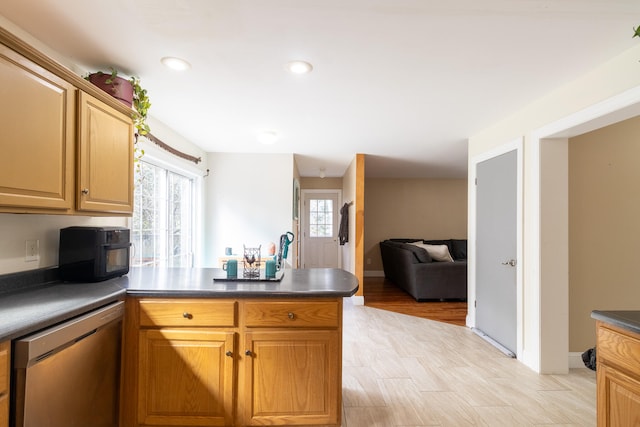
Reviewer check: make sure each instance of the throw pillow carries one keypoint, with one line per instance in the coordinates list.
(436, 252)
(421, 254)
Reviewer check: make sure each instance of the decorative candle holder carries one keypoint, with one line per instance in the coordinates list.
(251, 262)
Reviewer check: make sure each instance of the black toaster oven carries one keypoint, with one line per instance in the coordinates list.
(93, 254)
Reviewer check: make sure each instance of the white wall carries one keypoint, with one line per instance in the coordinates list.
(579, 106)
(15, 229)
(248, 202)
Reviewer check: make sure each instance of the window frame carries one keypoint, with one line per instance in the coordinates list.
(155, 156)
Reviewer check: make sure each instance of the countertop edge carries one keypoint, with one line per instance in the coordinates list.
(61, 316)
(236, 294)
(622, 319)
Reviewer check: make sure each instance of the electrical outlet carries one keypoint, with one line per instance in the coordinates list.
(368, 261)
(32, 250)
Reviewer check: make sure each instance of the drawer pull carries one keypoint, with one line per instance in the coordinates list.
(229, 353)
(187, 315)
(248, 353)
(291, 315)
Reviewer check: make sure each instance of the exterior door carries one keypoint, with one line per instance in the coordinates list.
(496, 248)
(320, 229)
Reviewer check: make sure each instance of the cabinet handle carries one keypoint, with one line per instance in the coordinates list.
(229, 353)
(291, 316)
(187, 315)
(85, 191)
(248, 353)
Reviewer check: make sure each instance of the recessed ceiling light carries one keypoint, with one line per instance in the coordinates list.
(267, 136)
(175, 63)
(299, 67)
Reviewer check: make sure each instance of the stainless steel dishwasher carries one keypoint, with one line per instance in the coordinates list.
(69, 375)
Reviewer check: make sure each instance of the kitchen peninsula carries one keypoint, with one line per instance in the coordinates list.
(233, 353)
(197, 352)
(618, 367)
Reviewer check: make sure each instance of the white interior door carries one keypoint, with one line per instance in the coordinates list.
(320, 229)
(496, 249)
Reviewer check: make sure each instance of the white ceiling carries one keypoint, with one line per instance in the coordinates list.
(404, 81)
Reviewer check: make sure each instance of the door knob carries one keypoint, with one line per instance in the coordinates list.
(511, 262)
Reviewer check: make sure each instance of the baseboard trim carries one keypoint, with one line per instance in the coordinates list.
(373, 273)
(575, 360)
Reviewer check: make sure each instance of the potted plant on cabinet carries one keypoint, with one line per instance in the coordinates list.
(127, 91)
(131, 94)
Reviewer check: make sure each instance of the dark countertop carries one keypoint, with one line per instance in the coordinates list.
(629, 319)
(24, 312)
(32, 308)
(198, 282)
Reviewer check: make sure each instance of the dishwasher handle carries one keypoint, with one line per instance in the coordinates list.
(33, 348)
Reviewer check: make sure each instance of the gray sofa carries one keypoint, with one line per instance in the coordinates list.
(412, 268)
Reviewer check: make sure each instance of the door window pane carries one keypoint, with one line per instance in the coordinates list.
(320, 218)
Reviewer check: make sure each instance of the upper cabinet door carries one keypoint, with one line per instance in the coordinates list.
(37, 133)
(105, 158)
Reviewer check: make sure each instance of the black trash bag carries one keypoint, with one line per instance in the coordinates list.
(589, 358)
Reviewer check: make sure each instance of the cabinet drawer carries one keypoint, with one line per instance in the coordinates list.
(292, 314)
(4, 367)
(187, 312)
(618, 347)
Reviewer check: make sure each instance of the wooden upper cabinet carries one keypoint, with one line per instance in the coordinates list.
(66, 147)
(105, 158)
(37, 138)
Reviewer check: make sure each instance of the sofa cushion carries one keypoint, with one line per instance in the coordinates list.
(459, 249)
(436, 252)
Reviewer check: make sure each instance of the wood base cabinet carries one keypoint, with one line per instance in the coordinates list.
(221, 362)
(291, 378)
(185, 377)
(5, 366)
(617, 376)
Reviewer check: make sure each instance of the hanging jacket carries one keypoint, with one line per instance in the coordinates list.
(343, 232)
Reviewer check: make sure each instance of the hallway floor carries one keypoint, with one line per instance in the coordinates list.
(401, 370)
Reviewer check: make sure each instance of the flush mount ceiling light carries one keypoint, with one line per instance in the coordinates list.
(175, 63)
(267, 136)
(299, 67)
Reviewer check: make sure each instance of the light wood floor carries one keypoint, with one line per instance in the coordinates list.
(401, 370)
